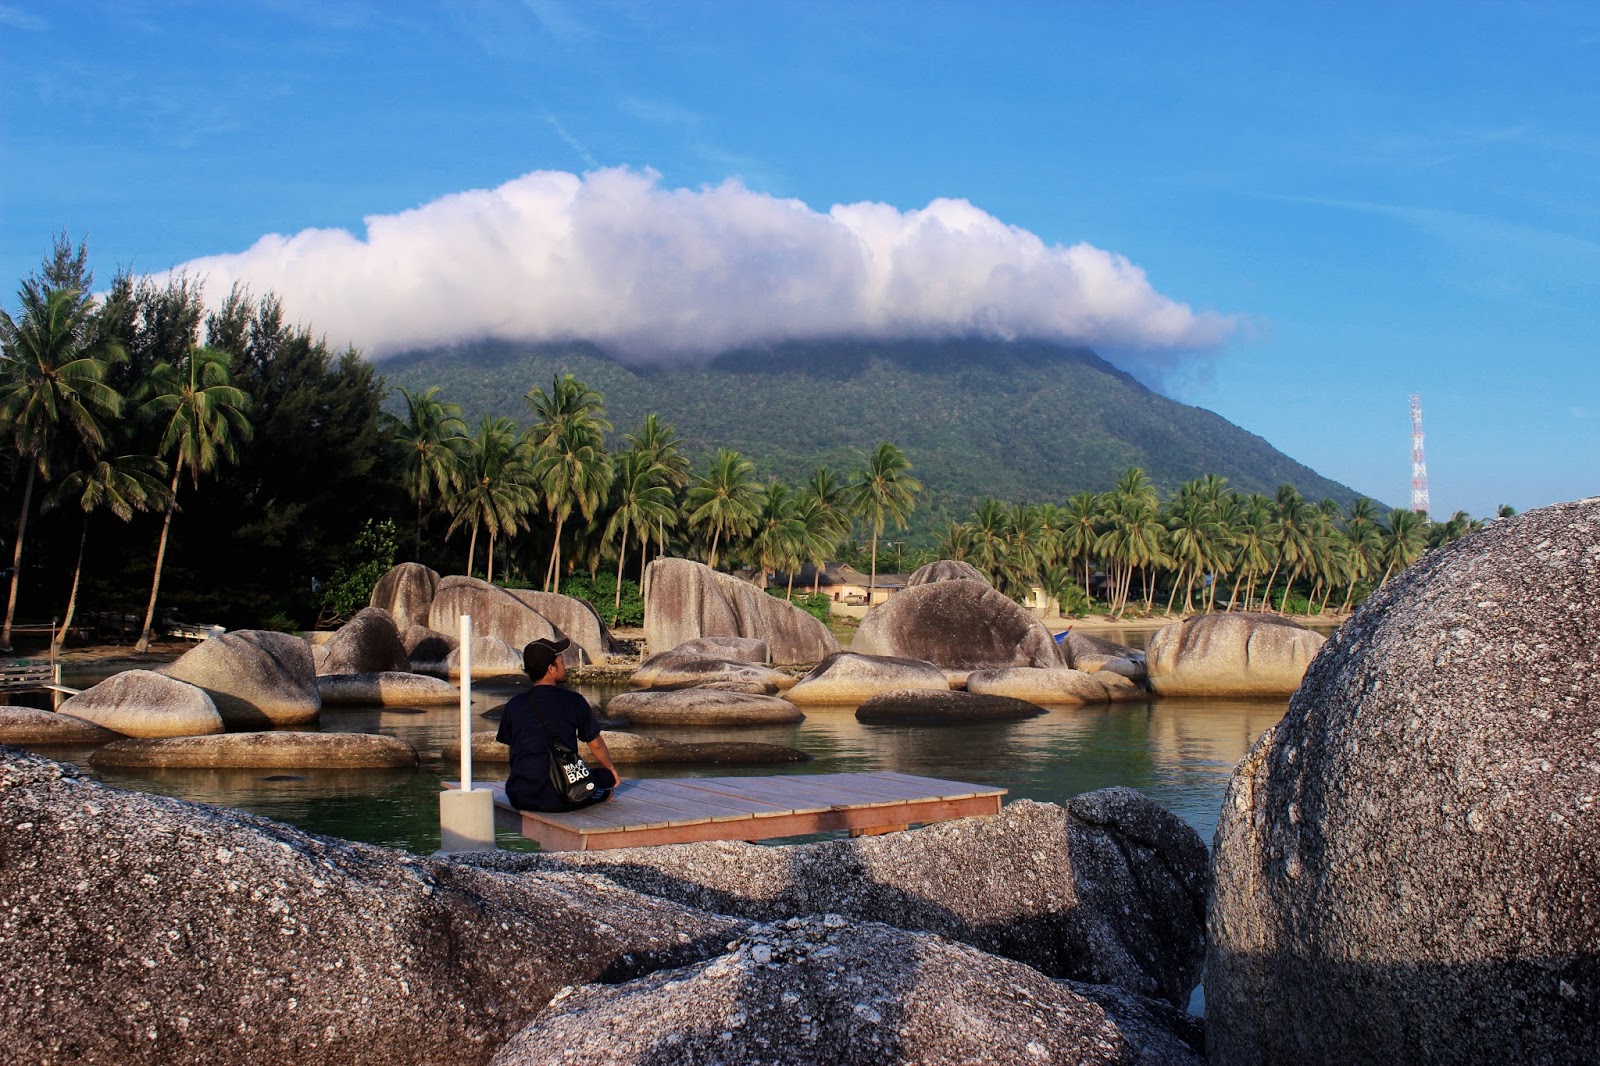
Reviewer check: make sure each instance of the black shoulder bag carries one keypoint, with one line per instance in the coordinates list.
(569, 775)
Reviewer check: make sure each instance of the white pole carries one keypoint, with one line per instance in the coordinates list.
(466, 703)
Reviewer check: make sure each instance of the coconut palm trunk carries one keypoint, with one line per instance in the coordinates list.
(16, 559)
(60, 637)
(622, 553)
(161, 557)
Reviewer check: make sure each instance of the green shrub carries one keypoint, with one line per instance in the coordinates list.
(600, 592)
(818, 606)
(350, 588)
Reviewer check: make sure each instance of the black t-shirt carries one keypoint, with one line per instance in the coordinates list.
(570, 719)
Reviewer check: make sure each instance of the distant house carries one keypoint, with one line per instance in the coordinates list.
(842, 584)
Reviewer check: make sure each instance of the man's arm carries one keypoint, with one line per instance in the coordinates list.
(598, 747)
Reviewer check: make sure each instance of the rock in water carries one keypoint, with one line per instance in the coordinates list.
(961, 625)
(1109, 890)
(140, 929)
(847, 678)
(686, 600)
(386, 689)
(367, 644)
(28, 726)
(945, 570)
(406, 592)
(635, 748)
(677, 669)
(574, 618)
(825, 989)
(1230, 655)
(943, 708)
(256, 678)
(142, 703)
(495, 613)
(741, 649)
(279, 748)
(1057, 685)
(702, 706)
(1408, 865)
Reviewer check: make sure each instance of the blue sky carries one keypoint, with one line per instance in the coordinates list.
(1332, 206)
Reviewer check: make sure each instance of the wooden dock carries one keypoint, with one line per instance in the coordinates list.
(683, 809)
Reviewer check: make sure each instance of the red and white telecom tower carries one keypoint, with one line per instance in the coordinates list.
(1419, 468)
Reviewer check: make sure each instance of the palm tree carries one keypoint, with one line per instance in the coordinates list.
(1254, 547)
(724, 499)
(883, 490)
(52, 382)
(640, 498)
(571, 466)
(121, 484)
(1293, 537)
(1402, 540)
(432, 434)
(496, 487)
(1081, 527)
(957, 542)
(986, 537)
(1193, 539)
(202, 422)
(825, 513)
(775, 532)
(659, 443)
(817, 534)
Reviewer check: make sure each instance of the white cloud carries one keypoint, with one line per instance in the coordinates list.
(652, 272)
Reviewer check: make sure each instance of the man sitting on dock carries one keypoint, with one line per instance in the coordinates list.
(550, 712)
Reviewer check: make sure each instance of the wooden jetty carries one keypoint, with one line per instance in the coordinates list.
(683, 809)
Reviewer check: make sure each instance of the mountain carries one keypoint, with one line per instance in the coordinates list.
(1018, 420)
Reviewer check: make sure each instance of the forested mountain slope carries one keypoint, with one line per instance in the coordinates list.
(1020, 421)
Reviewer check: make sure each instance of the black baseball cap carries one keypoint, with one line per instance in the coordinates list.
(538, 655)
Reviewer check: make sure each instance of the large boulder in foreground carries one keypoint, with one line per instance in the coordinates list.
(1056, 685)
(959, 625)
(1230, 655)
(257, 679)
(386, 689)
(677, 669)
(495, 613)
(825, 989)
(138, 929)
(1109, 889)
(1408, 865)
(686, 600)
(701, 706)
(848, 678)
(574, 618)
(367, 644)
(142, 703)
(943, 708)
(945, 570)
(277, 749)
(29, 726)
(406, 592)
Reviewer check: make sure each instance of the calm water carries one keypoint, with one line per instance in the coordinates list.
(1179, 753)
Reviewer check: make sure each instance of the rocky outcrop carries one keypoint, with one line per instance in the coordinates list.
(141, 703)
(846, 678)
(427, 649)
(677, 669)
(573, 617)
(940, 708)
(1057, 685)
(828, 989)
(741, 649)
(962, 625)
(138, 929)
(406, 592)
(495, 613)
(28, 726)
(491, 657)
(945, 570)
(276, 749)
(685, 600)
(1230, 655)
(700, 706)
(386, 689)
(367, 644)
(1109, 889)
(1087, 652)
(1406, 865)
(257, 679)
(636, 748)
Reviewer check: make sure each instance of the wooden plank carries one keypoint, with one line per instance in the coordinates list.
(938, 786)
(682, 796)
(782, 800)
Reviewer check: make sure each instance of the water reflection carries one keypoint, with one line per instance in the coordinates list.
(1180, 753)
